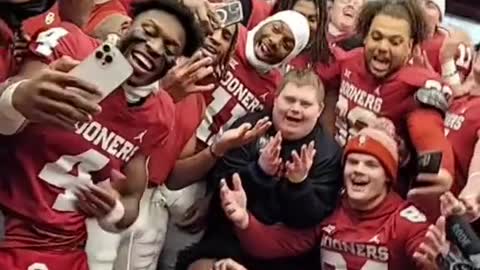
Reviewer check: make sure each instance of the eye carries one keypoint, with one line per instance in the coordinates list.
(226, 35)
(376, 36)
(149, 30)
(289, 99)
(288, 44)
(276, 28)
(305, 104)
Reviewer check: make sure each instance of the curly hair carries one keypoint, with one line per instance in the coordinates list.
(320, 50)
(408, 10)
(193, 31)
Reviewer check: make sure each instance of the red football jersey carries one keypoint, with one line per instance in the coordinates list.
(463, 59)
(242, 90)
(31, 27)
(261, 9)
(462, 126)
(103, 11)
(42, 22)
(47, 163)
(384, 238)
(189, 113)
(362, 97)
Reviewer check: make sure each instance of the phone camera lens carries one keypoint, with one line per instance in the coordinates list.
(99, 55)
(106, 48)
(108, 59)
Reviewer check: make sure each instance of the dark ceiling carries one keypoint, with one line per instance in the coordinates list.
(465, 8)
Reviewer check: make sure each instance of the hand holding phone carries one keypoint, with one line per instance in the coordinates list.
(106, 68)
(229, 13)
(429, 163)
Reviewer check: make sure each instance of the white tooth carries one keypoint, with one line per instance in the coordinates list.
(144, 60)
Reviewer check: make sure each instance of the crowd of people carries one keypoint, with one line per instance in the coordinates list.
(301, 134)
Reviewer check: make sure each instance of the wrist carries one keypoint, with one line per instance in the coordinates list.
(11, 119)
(110, 220)
(244, 223)
(214, 151)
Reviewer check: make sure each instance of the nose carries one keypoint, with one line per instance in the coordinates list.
(214, 39)
(155, 47)
(383, 45)
(274, 40)
(296, 107)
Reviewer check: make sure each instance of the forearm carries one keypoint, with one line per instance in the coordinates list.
(191, 170)
(269, 242)
(426, 131)
(11, 120)
(131, 204)
(474, 168)
(306, 205)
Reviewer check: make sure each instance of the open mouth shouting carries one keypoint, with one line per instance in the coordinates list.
(265, 48)
(359, 184)
(380, 64)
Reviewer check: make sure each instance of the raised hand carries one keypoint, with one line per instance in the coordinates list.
(432, 184)
(227, 264)
(44, 98)
(466, 205)
(297, 169)
(435, 244)
(21, 42)
(186, 77)
(420, 58)
(237, 137)
(452, 43)
(203, 11)
(269, 160)
(234, 202)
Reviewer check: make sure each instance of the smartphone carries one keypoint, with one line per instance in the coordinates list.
(106, 68)
(430, 162)
(229, 13)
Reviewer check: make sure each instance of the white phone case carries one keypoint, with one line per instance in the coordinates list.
(106, 68)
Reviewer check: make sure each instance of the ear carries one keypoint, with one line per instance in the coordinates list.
(321, 109)
(410, 45)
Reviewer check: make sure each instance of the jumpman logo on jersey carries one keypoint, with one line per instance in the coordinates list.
(139, 137)
(377, 91)
(264, 97)
(375, 239)
(347, 73)
(329, 229)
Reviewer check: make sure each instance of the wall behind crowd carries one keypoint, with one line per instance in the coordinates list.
(470, 26)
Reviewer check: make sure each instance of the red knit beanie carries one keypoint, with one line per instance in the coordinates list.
(378, 143)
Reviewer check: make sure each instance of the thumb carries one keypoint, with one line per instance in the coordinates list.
(116, 175)
(244, 128)
(237, 182)
(64, 64)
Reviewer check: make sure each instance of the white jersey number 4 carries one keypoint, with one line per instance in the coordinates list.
(58, 174)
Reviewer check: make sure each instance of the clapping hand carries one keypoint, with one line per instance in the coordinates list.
(234, 202)
(297, 169)
(270, 161)
(244, 134)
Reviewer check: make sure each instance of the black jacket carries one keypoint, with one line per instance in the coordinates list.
(274, 200)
